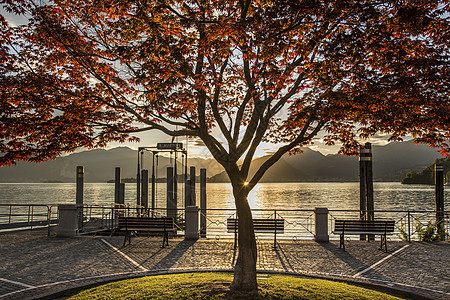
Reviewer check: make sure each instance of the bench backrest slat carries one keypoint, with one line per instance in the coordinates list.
(146, 222)
(363, 225)
(260, 225)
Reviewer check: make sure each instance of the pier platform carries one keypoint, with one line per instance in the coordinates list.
(36, 266)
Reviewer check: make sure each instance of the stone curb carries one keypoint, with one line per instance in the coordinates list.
(391, 288)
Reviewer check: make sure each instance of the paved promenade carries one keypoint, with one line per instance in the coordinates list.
(34, 265)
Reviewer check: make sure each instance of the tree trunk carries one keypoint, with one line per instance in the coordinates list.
(245, 269)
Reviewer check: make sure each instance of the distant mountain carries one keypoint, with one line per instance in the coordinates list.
(390, 163)
(426, 176)
(99, 166)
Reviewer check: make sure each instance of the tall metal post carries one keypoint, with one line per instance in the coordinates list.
(80, 185)
(192, 188)
(175, 180)
(116, 185)
(187, 193)
(144, 198)
(79, 195)
(153, 183)
(203, 202)
(439, 194)
(171, 208)
(366, 185)
(138, 180)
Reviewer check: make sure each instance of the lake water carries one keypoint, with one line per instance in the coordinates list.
(334, 196)
(303, 197)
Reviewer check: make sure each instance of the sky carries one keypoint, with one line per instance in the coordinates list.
(196, 148)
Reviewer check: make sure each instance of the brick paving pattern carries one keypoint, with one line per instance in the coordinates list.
(34, 265)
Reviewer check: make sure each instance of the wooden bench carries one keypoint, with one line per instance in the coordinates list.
(161, 225)
(358, 227)
(274, 226)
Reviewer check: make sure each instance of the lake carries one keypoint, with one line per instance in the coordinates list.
(334, 196)
(302, 197)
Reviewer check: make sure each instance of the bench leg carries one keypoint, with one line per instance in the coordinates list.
(383, 243)
(342, 242)
(165, 239)
(127, 237)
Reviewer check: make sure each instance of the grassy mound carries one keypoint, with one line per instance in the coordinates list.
(216, 286)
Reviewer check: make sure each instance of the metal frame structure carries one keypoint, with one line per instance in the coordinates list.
(160, 148)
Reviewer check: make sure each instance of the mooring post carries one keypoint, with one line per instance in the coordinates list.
(439, 194)
(121, 194)
(171, 207)
(144, 191)
(80, 185)
(366, 185)
(175, 180)
(192, 187)
(79, 194)
(187, 193)
(203, 202)
(153, 184)
(116, 185)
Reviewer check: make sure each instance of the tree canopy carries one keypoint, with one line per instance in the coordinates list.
(232, 73)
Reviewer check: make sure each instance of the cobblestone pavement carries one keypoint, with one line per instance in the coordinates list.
(34, 265)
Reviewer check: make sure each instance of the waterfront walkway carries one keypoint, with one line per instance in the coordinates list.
(34, 265)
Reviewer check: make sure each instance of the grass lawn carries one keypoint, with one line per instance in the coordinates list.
(216, 286)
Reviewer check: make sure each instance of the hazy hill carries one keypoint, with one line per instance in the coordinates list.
(99, 166)
(390, 163)
(427, 176)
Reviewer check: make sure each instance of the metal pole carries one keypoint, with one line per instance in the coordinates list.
(170, 210)
(192, 187)
(153, 182)
(439, 194)
(175, 180)
(203, 202)
(144, 198)
(80, 183)
(409, 226)
(138, 180)
(116, 186)
(362, 187)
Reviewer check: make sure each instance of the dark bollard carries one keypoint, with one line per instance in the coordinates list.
(121, 200)
(187, 193)
(116, 185)
(203, 202)
(171, 208)
(144, 190)
(366, 185)
(439, 194)
(79, 195)
(192, 188)
(80, 185)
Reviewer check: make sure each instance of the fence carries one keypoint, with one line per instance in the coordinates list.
(299, 224)
(23, 216)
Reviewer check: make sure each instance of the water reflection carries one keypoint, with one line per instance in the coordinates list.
(387, 196)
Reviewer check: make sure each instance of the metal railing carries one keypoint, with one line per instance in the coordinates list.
(27, 216)
(410, 225)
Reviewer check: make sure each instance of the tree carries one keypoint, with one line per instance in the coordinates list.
(85, 73)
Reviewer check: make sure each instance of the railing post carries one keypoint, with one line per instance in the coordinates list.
(275, 233)
(409, 226)
(439, 195)
(49, 219)
(203, 202)
(321, 234)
